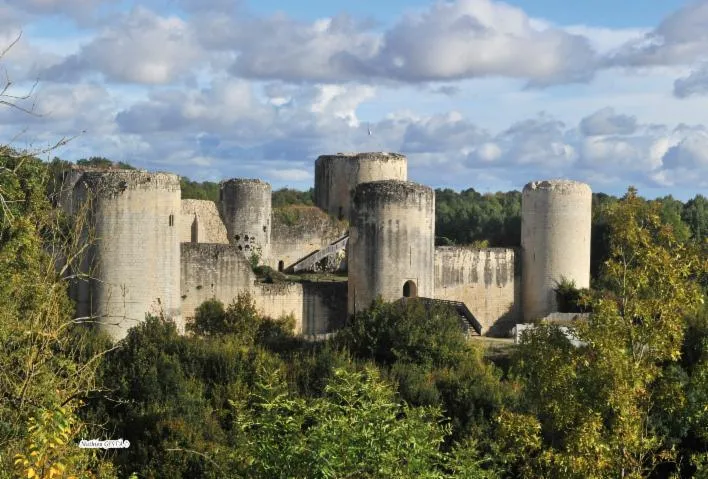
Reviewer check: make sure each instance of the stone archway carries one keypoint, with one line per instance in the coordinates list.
(410, 289)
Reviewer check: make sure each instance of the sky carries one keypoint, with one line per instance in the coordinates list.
(476, 93)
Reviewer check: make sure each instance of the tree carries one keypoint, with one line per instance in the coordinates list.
(376, 435)
(104, 163)
(410, 331)
(241, 321)
(695, 215)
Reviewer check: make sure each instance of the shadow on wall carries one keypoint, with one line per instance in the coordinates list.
(502, 327)
(324, 307)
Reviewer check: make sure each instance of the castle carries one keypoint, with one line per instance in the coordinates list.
(155, 252)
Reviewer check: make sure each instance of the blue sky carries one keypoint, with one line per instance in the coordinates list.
(477, 93)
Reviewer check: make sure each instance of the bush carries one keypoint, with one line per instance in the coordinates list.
(569, 298)
(410, 331)
(240, 319)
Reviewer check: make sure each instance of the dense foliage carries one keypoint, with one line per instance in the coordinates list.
(218, 404)
(47, 363)
(288, 197)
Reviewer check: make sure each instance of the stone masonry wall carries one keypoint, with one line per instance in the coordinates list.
(486, 280)
(220, 271)
(134, 262)
(391, 242)
(298, 231)
(201, 223)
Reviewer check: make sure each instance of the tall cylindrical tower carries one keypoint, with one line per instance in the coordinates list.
(134, 258)
(391, 250)
(555, 241)
(336, 177)
(245, 207)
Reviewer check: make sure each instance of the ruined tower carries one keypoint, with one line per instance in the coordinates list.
(245, 208)
(391, 242)
(555, 241)
(336, 177)
(133, 262)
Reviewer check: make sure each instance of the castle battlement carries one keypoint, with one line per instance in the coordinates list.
(157, 253)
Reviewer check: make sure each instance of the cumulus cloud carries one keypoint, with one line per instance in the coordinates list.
(314, 120)
(341, 102)
(691, 153)
(471, 38)
(143, 47)
(228, 106)
(606, 122)
(696, 83)
(440, 133)
(231, 92)
(539, 142)
(448, 41)
(681, 38)
(334, 49)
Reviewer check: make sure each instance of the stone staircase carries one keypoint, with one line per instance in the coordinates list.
(308, 262)
(469, 323)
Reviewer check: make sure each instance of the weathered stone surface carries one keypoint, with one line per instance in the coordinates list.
(555, 241)
(245, 207)
(336, 177)
(299, 231)
(391, 242)
(486, 280)
(134, 262)
(137, 265)
(201, 223)
(218, 271)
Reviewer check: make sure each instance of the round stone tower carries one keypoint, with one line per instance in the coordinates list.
(336, 176)
(555, 241)
(133, 262)
(391, 242)
(245, 207)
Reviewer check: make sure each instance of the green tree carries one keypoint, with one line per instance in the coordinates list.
(242, 321)
(695, 215)
(409, 331)
(46, 363)
(426, 352)
(101, 162)
(357, 429)
(288, 197)
(205, 190)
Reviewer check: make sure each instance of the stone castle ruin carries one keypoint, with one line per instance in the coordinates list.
(157, 253)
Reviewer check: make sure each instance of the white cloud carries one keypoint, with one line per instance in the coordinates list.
(142, 47)
(681, 38)
(447, 41)
(470, 38)
(696, 83)
(227, 107)
(606, 40)
(606, 122)
(341, 102)
(690, 153)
